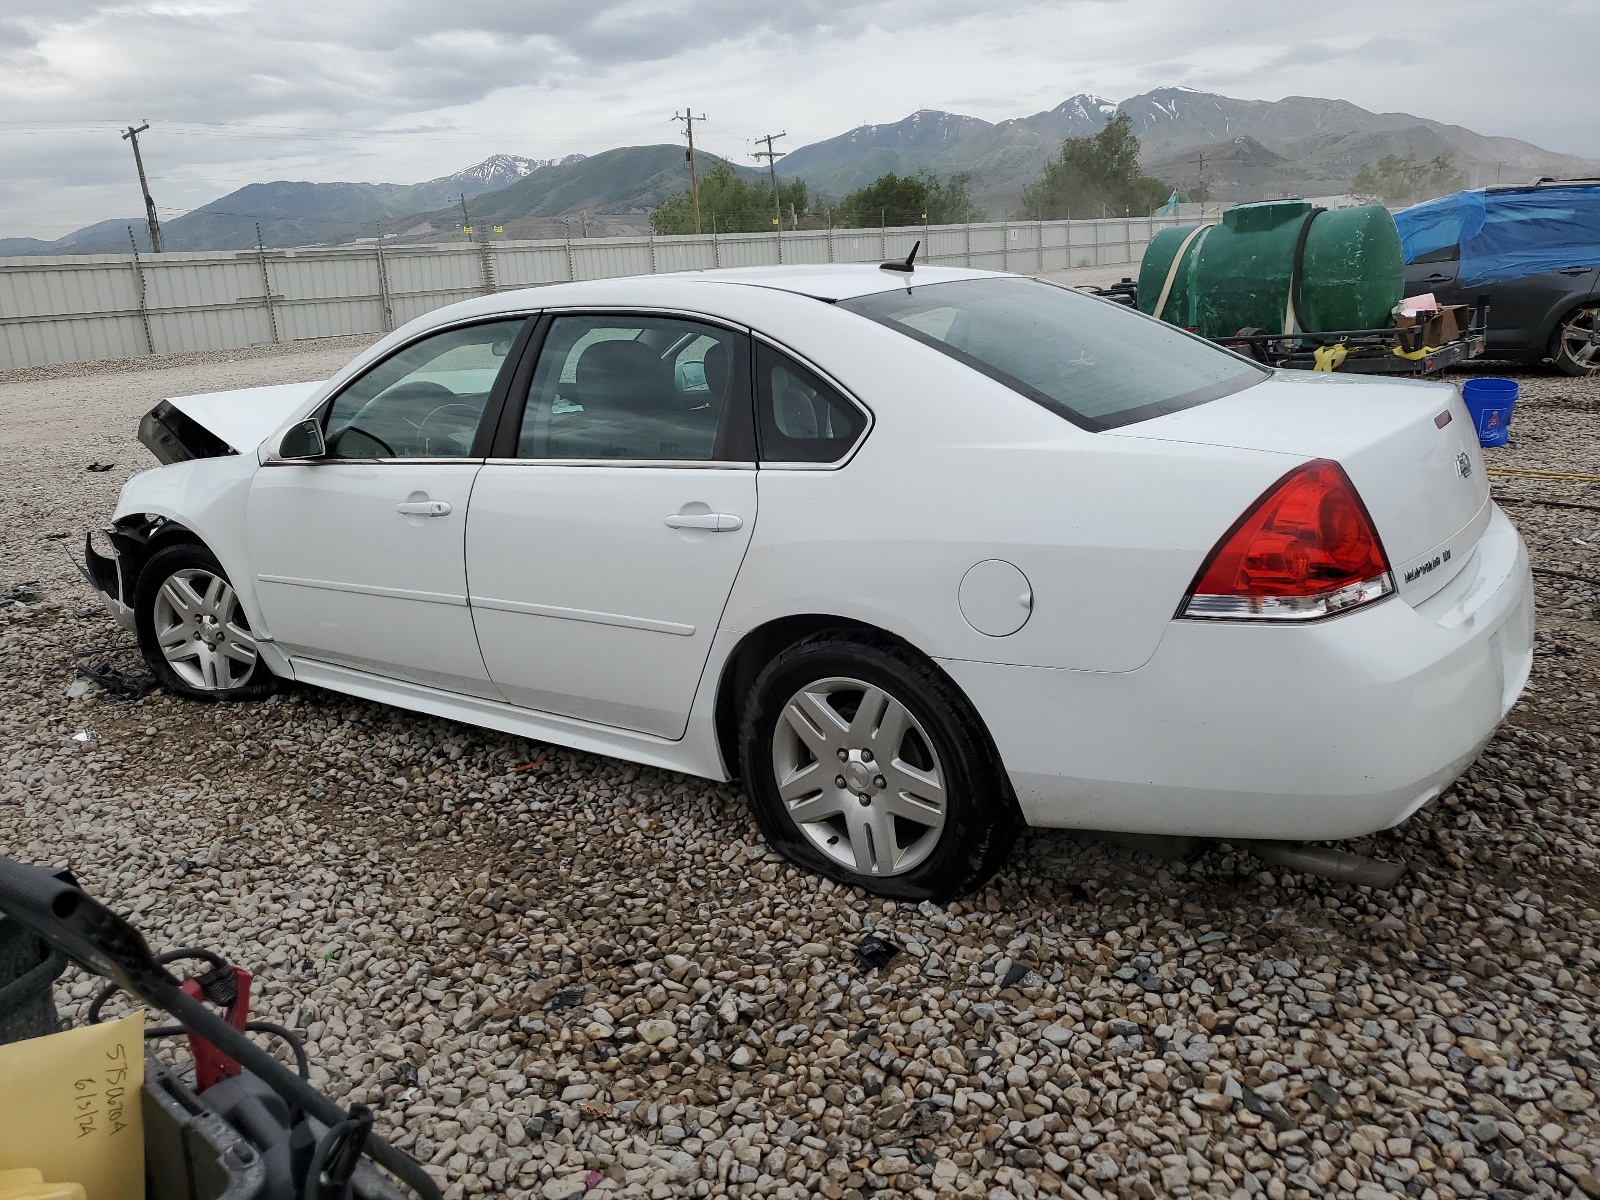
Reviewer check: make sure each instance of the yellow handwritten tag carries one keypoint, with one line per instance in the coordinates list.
(70, 1107)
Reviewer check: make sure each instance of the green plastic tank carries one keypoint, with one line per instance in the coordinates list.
(1236, 274)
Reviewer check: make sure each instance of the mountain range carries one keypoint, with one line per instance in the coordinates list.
(1298, 145)
(293, 214)
(1239, 149)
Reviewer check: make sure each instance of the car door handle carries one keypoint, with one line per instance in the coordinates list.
(423, 508)
(715, 522)
(1576, 270)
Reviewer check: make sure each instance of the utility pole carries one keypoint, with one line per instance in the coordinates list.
(132, 135)
(772, 156)
(688, 118)
(466, 221)
(1200, 180)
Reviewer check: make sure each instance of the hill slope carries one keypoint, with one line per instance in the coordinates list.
(998, 157)
(1299, 143)
(628, 180)
(290, 213)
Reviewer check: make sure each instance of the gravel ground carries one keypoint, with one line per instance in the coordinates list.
(551, 972)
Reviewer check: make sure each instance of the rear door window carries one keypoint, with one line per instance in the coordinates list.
(642, 388)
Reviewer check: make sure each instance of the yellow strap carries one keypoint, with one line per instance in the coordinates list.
(1172, 271)
(1415, 354)
(1329, 357)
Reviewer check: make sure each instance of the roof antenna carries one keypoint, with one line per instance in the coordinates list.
(894, 264)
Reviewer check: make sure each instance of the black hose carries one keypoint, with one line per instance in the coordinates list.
(1547, 503)
(216, 960)
(334, 1163)
(1299, 260)
(1565, 575)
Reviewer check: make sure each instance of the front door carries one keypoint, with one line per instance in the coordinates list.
(600, 556)
(360, 555)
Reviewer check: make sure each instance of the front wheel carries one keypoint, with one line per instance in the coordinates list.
(1577, 343)
(864, 763)
(193, 632)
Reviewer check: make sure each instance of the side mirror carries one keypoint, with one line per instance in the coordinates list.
(303, 441)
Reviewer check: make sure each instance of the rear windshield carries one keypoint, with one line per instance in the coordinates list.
(1097, 364)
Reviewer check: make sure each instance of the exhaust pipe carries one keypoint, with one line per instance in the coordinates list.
(1339, 865)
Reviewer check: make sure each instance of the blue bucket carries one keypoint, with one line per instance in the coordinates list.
(1491, 402)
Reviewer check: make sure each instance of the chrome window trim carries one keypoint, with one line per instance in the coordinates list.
(330, 460)
(693, 464)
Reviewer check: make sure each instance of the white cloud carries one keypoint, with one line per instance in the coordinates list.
(542, 78)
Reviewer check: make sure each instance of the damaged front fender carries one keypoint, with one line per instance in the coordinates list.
(114, 557)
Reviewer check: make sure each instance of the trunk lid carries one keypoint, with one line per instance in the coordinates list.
(1409, 447)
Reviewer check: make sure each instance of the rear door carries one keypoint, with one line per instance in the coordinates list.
(605, 535)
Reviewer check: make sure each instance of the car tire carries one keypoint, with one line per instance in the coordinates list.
(193, 633)
(863, 762)
(1574, 348)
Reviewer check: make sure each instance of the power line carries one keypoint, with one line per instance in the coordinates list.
(772, 156)
(688, 118)
(132, 135)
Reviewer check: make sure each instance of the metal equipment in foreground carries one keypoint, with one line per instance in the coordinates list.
(1391, 350)
(247, 1128)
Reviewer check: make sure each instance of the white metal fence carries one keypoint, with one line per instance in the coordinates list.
(79, 307)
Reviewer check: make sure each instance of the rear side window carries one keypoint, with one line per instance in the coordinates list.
(799, 417)
(1099, 365)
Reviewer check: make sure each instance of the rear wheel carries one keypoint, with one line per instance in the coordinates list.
(864, 763)
(193, 632)
(1576, 348)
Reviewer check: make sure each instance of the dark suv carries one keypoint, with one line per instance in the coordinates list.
(1551, 316)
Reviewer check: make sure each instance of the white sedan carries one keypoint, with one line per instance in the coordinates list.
(919, 556)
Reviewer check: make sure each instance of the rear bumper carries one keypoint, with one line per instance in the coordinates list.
(1324, 731)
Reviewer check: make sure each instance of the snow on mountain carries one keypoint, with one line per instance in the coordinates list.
(502, 170)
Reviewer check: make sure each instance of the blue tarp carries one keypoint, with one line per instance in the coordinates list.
(1506, 235)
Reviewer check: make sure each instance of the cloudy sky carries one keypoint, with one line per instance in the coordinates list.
(238, 91)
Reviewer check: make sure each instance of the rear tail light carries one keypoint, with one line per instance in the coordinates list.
(1306, 549)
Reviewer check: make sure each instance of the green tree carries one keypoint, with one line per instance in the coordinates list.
(729, 203)
(1405, 179)
(909, 200)
(1091, 173)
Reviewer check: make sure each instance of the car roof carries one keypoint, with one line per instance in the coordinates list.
(715, 289)
(836, 281)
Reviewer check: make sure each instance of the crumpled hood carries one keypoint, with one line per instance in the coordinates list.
(244, 417)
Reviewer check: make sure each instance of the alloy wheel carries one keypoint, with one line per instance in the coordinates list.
(1580, 338)
(202, 631)
(858, 775)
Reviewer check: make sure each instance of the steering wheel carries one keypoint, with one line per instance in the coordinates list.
(420, 389)
(422, 427)
(388, 450)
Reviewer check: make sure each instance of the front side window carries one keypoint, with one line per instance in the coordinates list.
(1096, 364)
(611, 386)
(427, 400)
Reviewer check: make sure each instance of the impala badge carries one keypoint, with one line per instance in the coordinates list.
(1463, 465)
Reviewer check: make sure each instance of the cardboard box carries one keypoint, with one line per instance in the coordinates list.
(1441, 327)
